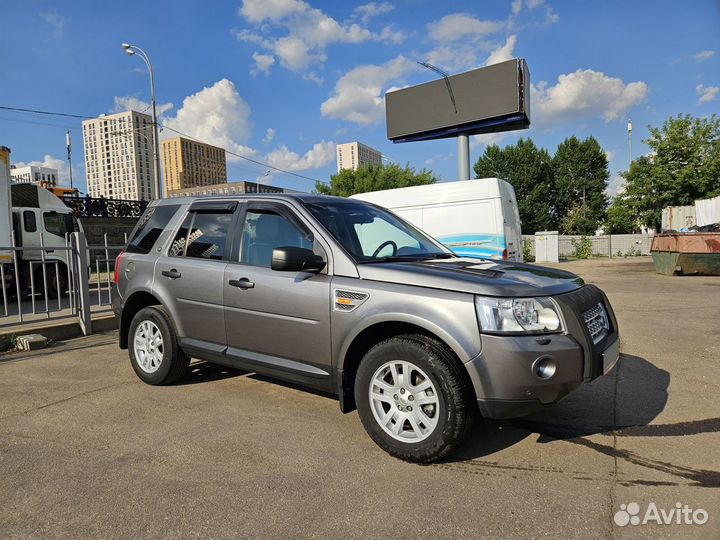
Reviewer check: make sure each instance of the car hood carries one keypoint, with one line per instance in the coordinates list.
(475, 276)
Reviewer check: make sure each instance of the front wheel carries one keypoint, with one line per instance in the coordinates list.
(155, 354)
(413, 398)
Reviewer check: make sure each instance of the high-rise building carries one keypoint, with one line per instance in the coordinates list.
(119, 156)
(33, 174)
(190, 164)
(355, 154)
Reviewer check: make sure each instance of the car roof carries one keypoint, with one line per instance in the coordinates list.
(298, 197)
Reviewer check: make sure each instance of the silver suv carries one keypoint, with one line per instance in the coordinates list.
(345, 297)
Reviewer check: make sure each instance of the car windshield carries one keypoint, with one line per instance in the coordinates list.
(371, 234)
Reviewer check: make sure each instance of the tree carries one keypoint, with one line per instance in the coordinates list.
(581, 175)
(529, 170)
(684, 165)
(374, 178)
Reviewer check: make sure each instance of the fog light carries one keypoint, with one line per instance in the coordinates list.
(544, 368)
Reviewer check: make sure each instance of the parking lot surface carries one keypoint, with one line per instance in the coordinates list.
(87, 450)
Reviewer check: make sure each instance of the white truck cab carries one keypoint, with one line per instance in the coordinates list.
(474, 218)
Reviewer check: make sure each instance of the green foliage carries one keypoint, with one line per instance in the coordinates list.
(527, 247)
(8, 342)
(581, 175)
(529, 169)
(684, 165)
(565, 191)
(583, 248)
(374, 178)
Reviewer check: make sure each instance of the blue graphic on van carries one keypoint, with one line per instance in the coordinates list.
(480, 246)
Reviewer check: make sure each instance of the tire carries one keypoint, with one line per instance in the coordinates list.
(430, 431)
(156, 363)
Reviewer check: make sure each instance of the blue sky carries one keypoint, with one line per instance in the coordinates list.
(283, 81)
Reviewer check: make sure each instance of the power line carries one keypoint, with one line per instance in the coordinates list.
(18, 109)
(266, 165)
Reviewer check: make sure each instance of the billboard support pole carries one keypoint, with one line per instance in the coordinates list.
(463, 157)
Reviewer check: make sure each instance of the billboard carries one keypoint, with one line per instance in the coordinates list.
(485, 100)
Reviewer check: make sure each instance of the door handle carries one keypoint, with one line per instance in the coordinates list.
(242, 283)
(172, 274)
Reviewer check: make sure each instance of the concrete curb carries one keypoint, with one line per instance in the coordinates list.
(60, 330)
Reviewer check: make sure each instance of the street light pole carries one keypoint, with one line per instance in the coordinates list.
(132, 50)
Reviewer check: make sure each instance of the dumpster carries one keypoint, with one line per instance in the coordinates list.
(680, 254)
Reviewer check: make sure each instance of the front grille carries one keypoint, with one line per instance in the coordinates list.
(597, 322)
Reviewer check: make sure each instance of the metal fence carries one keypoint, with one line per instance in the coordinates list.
(608, 245)
(57, 281)
(102, 207)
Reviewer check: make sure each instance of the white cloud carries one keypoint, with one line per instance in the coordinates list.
(703, 55)
(318, 156)
(504, 52)
(615, 186)
(585, 94)
(262, 63)
(274, 10)
(309, 31)
(462, 26)
(269, 135)
(516, 7)
(457, 57)
(550, 16)
(62, 167)
(358, 95)
(132, 103)
(55, 21)
(488, 139)
(313, 77)
(389, 35)
(532, 4)
(372, 9)
(707, 93)
(216, 115)
(610, 154)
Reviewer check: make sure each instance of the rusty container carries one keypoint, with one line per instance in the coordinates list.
(680, 254)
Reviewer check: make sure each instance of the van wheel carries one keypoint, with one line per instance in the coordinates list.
(52, 281)
(413, 398)
(154, 352)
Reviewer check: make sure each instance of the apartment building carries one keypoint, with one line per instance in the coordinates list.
(355, 154)
(191, 164)
(119, 156)
(33, 174)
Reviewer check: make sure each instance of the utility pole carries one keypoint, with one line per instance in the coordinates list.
(68, 143)
(629, 128)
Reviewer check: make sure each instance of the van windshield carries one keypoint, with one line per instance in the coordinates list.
(371, 234)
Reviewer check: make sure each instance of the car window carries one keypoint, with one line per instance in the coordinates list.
(375, 238)
(151, 225)
(202, 235)
(29, 221)
(265, 230)
(55, 223)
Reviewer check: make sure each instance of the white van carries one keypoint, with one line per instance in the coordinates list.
(474, 218)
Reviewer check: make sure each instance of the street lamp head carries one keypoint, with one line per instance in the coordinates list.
(125, 45)
(129, 52)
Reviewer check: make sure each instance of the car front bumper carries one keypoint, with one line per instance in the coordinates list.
(505, 374)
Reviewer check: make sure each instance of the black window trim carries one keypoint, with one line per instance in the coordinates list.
(208, 207)
(286, 211)
(24, 223)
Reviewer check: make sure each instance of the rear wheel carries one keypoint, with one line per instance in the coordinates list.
(154, 352)
(413, 398)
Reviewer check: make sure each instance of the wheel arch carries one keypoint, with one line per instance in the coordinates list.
(135, 302)
(373, 333)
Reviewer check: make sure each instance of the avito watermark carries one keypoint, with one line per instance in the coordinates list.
(680, 514)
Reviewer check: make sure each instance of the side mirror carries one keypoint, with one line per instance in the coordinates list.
(295, 259)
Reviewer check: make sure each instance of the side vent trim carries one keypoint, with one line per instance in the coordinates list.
(346, 301)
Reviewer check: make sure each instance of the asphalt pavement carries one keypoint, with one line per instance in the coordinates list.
(88, 451)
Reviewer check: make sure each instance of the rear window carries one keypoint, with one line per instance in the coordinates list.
(151, 225)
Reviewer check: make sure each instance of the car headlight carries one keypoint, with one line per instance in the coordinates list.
(518, 315)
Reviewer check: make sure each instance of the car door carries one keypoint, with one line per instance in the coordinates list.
(190, 275)
(277, 321)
